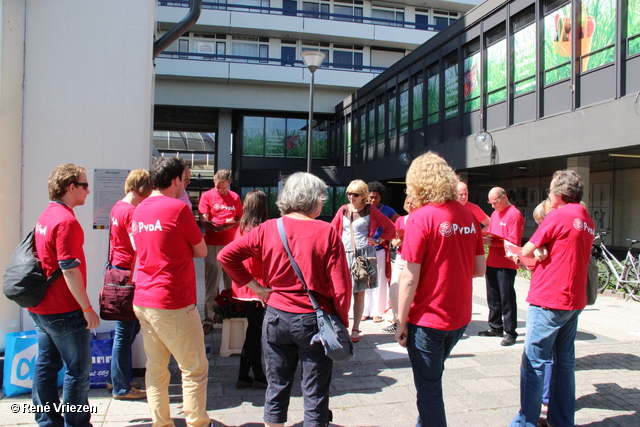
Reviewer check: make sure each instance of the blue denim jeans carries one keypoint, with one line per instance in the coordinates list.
(428, 348)
(548, 332)
(120, 372)
(286, 340)
(62, 339)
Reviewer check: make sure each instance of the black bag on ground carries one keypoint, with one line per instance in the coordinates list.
(24, 281)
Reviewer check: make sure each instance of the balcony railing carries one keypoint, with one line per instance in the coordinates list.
(306, 14)
(266, 61)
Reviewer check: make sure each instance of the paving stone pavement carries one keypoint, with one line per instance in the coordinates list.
(375, 388)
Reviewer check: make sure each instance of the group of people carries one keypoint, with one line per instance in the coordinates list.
(440, 250)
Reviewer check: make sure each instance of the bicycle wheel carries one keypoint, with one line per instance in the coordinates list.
(632, 282)
(604, 274)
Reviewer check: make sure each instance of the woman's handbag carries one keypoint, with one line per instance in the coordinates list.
(332, 333)
(364, 269)
(116, 296)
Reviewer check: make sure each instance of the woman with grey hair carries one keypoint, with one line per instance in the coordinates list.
(290, 320)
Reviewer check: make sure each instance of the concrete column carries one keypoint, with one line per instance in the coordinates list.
(12, 19)
(223, 140)
(581, 166)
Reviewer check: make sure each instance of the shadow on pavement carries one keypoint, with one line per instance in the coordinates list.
(627, 361)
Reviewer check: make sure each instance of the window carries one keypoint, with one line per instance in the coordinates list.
(340, 7)
(416, 82)
(282, 137)
(451, 86)
(524, 52)
(394, 16)
(442, 19)
(380, 121)
(371, 132)
(392, 103)
(433, 94)
(404, 107)
(249, 47)
(318, 10)
(351, 59)
(221, 49)
(633, 27)
(472, 76)
(496, 60)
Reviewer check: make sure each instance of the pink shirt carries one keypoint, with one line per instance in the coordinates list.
(508, 224)
(220, 208)
(318, 251)
(59, 237)
(477, 211)
(121, 251)
(559, 282)
(164, 232)
(444, 240)
(400, 226)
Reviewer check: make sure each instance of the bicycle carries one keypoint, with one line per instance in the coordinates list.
(627, 272)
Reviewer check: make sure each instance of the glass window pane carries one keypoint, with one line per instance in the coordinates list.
(404, 112)
(253, 136)
(497, 72)
(433, 99)
(451, 92)
(275, 137)
(524, 59)
(471, 85)
(417, 106)
(342, 59)
(296, 144)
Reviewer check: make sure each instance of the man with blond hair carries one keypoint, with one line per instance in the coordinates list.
(220, 210)
(64, 316)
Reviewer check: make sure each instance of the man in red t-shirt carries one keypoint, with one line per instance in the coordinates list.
(507, 223)
(463, 198)
(220, 210)
(167, 238)
(443, 252)
(64, 317)
(557, 295)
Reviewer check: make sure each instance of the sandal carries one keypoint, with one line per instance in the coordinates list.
(377, 319)
(357, 335)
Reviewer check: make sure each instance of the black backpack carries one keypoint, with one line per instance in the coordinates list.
(23, 281)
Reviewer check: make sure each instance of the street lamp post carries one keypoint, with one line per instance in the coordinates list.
(312, 60)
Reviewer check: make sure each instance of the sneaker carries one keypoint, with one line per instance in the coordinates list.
(490, 333)
(391, 328)
(134, 394)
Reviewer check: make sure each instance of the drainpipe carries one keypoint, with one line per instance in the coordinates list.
(174, 34)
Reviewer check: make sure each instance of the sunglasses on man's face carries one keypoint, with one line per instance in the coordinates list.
(82, 184)
(353, 195)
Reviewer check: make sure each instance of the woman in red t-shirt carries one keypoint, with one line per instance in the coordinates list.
(137, 187)
(254, 213)
(290, 321)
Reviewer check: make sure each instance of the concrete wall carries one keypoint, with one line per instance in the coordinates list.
(88, 99)
(12, 16)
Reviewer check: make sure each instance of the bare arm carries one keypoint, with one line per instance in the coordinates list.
(75, 282)
(207, 224)
(530, 250)
(199, 250)
(407, 291)
(479, 266)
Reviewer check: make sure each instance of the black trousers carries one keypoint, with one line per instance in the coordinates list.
(251, 356)
(501, 298)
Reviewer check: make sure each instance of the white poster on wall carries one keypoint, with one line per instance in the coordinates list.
(108, 188)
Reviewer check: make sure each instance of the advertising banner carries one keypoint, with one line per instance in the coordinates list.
(633, 26)
(524, 59)
(497, 72)
(433, 99)
(451, 92)
(472, 78)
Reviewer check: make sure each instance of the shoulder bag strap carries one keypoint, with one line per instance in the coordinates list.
(56, 273)
(283, 237)
(353, 242)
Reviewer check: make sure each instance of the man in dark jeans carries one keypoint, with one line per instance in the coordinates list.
(507, 223)
(64, 316)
